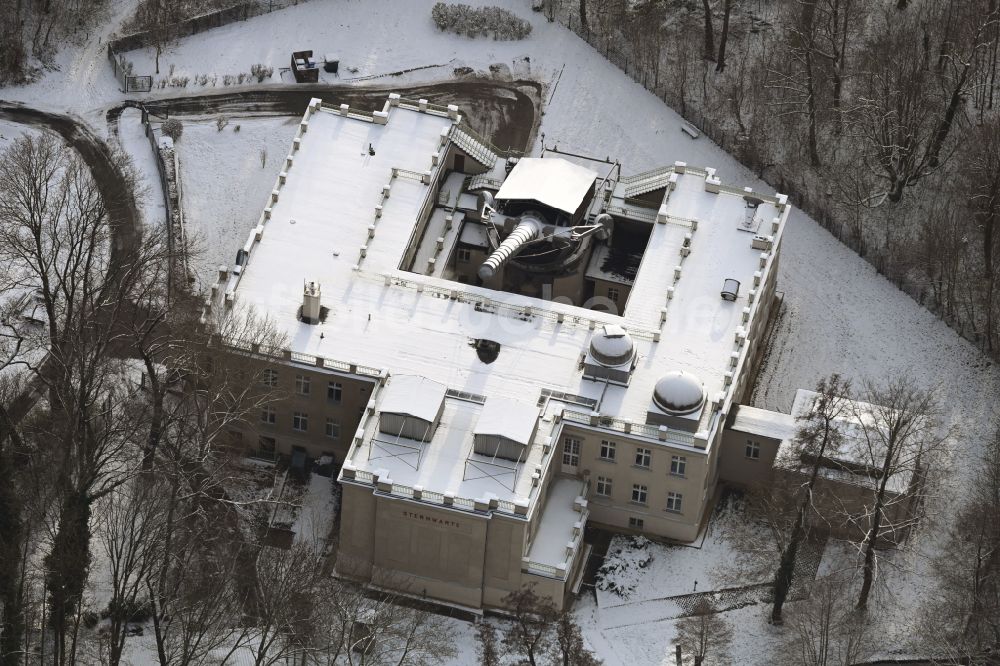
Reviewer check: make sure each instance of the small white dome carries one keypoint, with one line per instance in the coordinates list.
(679, 393)
(612, 346)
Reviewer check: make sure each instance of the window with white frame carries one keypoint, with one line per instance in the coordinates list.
(642, 457)
(269, 378)
(678, 465)
(674, 502)
(332, 428)
(753, 450)
(300, 421)
(604, 486)
(268, 415)
(613, 294)
(334, 391)
(639, 493)
(463, 255)
(635, 523)
(607, 450)
(571, 452)
(302, 384)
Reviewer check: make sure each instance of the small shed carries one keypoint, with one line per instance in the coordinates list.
(505, 428)
(411, 407)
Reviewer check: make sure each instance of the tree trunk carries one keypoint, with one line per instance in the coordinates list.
(786, 568)
(67, 566)
(583, 16)
(709, 33)
(721, 63)
(11, 542)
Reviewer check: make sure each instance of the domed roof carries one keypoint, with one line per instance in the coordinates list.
(679, 393)
(612, 346)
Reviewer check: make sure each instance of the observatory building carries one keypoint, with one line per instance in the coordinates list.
(499, 351)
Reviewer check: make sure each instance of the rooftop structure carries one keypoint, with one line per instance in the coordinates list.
(476, 389)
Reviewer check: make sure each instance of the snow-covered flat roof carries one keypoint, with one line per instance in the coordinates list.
(764, 422)
(333, 223)
(508, 418)
(552, 181)
(413, 396)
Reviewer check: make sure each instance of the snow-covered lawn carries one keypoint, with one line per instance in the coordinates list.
(225, 183)
(134, 142)
(653, 571)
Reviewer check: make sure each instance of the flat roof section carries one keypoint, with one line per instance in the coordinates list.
(552, 181)
(413, 396)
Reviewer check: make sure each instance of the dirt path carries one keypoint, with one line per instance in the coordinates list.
(103, 165)
(505, 111)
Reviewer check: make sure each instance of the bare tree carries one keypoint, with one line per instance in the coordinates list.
(827, 631)
(531, 625)
(488, 644)
(568, 647)
(964, 616)
(128, 527)
(818, 437)
(720, 64)
(899, 437)
(704, 634)
(709, 32)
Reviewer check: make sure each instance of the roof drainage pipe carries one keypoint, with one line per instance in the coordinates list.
(527, 230)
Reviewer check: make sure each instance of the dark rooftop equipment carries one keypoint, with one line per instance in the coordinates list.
(730, 289)
(331, 63)
(304, 68)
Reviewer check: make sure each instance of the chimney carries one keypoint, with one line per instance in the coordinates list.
(311, 294)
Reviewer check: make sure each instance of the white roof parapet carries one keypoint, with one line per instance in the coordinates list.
(507, 418)
(414, 396)
(552, 181)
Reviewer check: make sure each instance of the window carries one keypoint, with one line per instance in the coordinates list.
(674, 502)
(571, 452)
(300, 421)
(267, 444)
(613, 294)
(269, 378)
(464, 255)
(642, 457)
(607, 450)
(635, 523)
(334, 391)
(639, 494)
(678, 464)
(267, 415)
(301, 384)
(604, 486)
(753, 450)
(332, 428)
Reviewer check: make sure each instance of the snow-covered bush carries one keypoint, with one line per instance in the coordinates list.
(261, 72)
(626, 557)
(173, 128)
(480, 21)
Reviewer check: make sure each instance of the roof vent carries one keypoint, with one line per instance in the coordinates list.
(679, 393)
(312, 309)
(730, 289)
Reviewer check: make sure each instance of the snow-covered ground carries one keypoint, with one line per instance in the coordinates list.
(839, 314)
(149, 193)
(225, 184)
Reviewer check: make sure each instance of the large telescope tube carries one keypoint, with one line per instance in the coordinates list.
(527, 230)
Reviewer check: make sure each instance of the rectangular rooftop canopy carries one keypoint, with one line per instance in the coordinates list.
(413, 395)
(510, 419)
(552, 181)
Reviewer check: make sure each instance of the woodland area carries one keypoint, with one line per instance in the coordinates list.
(877, 118)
